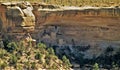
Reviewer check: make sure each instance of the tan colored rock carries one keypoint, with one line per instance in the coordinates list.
(28, 21)
(77, 25)
(16, 19)
(14, 12)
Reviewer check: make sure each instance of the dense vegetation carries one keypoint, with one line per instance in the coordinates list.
(20, 56)
(78, 2)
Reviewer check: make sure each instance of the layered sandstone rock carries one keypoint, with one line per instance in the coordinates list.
(16, 19)
(92, 23)
(22, 16)
(92, 28)
(97, 27)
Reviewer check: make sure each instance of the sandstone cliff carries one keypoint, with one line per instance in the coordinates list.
(97, 27)
(92, 29)
(16, 18)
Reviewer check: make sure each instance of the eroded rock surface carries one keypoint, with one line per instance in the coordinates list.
(17, 19)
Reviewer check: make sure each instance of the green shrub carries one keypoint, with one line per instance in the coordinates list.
(2, 53)
(27, 65)
(19, 67)
(47, 59)
(21, 46)
(115, 66)
(3, 65)
(96, 66)
(33, 65)
(66, 62)
(54, 66)
(18, 54)
(41, 46)
(38, 55)
(51, 51)
(13, 60)
(12, 46)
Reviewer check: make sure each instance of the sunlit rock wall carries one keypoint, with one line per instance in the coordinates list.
(96, 27)
(92, 28)
(16, 19)
(75, 26)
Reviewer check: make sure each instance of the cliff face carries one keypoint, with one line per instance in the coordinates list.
(16, 19)
(83, 27)
(92, 28)
(76, 25)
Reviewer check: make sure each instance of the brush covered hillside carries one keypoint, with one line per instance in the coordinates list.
(18, 56)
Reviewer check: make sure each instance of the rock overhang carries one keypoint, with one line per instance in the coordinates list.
(67, 26)
(30, 19)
